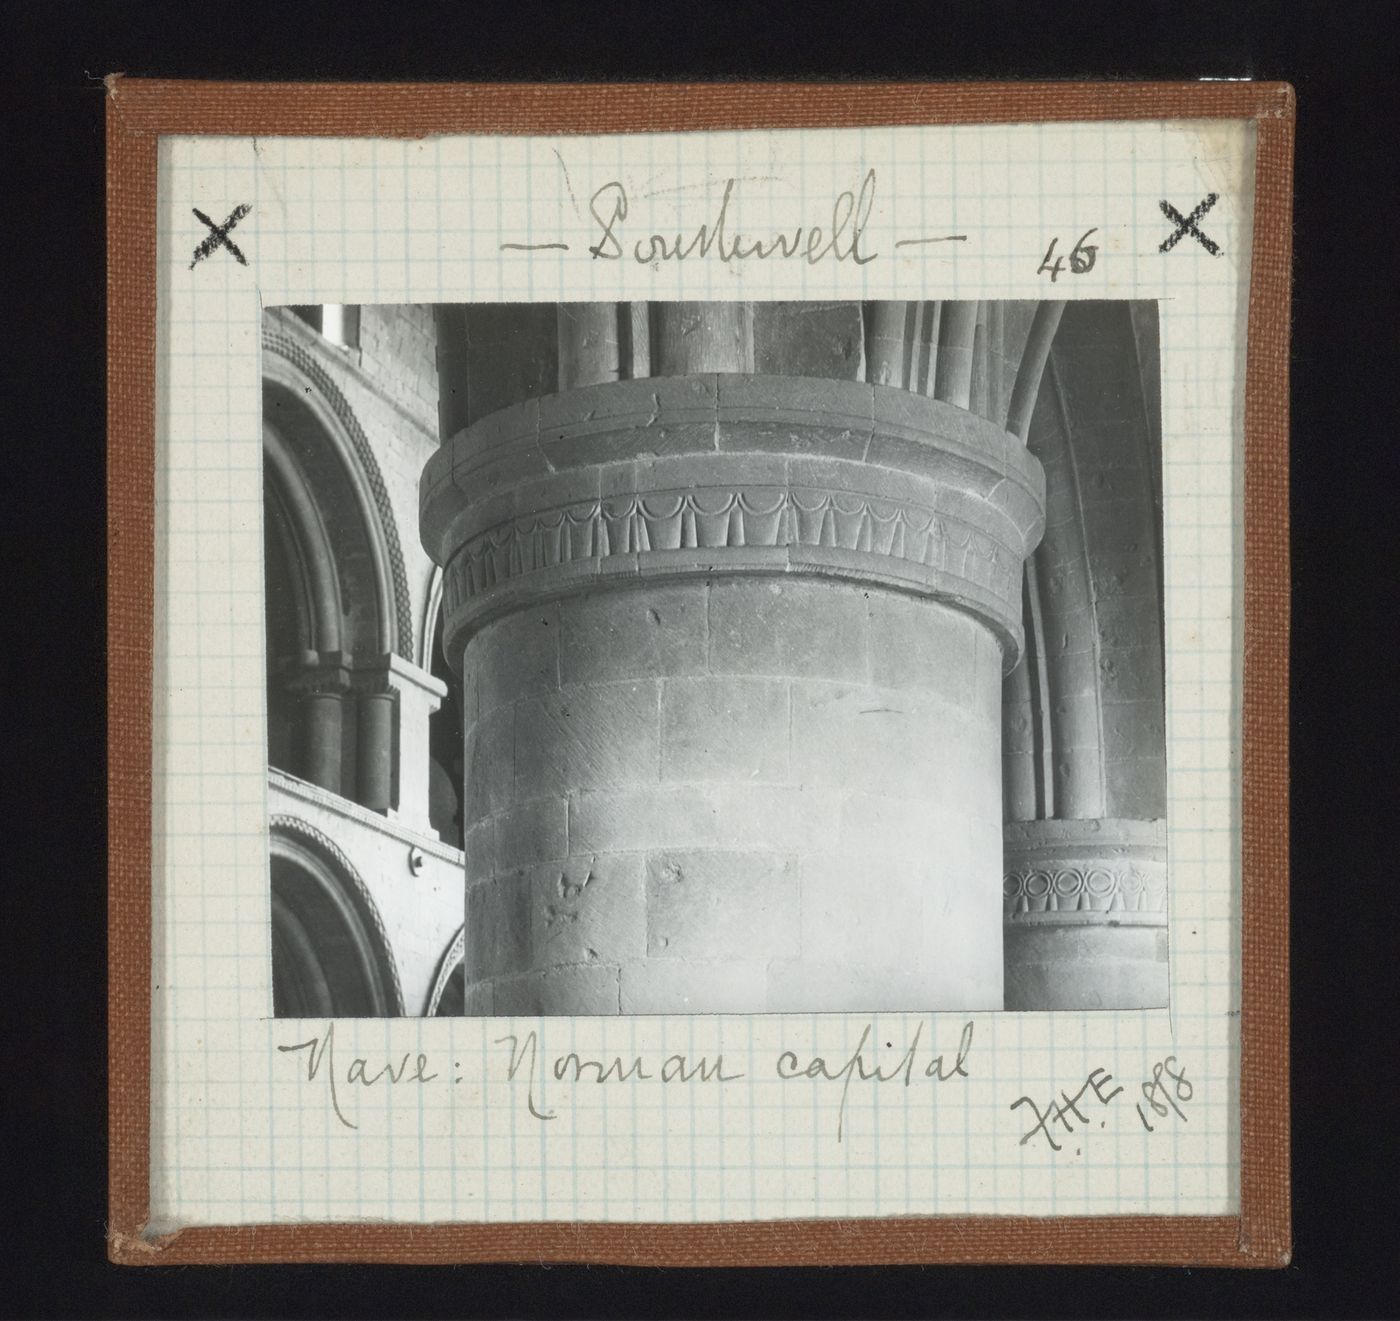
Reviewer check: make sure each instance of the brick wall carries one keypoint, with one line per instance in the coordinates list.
(398, 353)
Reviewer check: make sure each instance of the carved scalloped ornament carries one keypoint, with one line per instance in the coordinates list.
(1090, 892)
(718, 519)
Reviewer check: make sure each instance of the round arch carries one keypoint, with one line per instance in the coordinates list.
(319, 455)
(306, 585)
(432, 617)
(330, 954)
(447, 998)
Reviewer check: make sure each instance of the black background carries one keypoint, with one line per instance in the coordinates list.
(1342, 59)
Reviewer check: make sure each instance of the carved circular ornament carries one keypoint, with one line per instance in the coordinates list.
(1092, 890)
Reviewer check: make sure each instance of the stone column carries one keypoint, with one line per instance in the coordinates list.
(1086, 914)
(416, 694)
(732, 649)
(374, 762)
(323, 689)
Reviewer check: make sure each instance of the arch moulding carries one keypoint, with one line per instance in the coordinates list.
(288, 364)
(319, 857)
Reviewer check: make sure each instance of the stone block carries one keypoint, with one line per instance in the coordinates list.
(1085, 942)
(974, 983)
(632, 634)
(1074, 717)
(1061, 510)
(1122, 575)
(546, 495)
(513, 354)
(703, 902)
(441, 514)
(791, 819)
(1018, 730)
(489, 759)
(479, 1000)
(1018, 780)
(588, 910)
(808, 339)
(963, 920)
(714, 561)
(509, 426)
(918, 826)
(922, 645)
(623, 443)
(1146, 838)
(1078, 781)
(1085, 967)
(866, 908)
(641, 818)
(498, 469)
(931, 437)
(582, 991)
(498, 922)
(799, 987)
(968, 782)
(479, 845)
(877, 740)
(1071, 630)
(626, 420)
(1131, 674)
(676, 473)
(773, 627)
(516, 657)
(673, 986)
(788, 415)
(983, 840)
(724, 729)
(532, 832)
(857, 479)
(1064, 582)
(469, 520)
(617, 482)
(1137, 785)
(1134, 729)
(471, 690)
(1121, 494)
(993, 657)
(1073, 673)
(1118, 627)
(586, 737)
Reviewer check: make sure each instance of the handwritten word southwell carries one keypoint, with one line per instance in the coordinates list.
(719, 236)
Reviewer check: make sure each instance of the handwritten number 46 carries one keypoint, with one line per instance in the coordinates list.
(1081, 257)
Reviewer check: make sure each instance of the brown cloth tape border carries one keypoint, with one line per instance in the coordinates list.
(138, 111)
(143, 107)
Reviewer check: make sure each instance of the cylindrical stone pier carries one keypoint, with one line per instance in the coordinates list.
(375, 758)
(323, 724)
(1086, 914)
(732, 648)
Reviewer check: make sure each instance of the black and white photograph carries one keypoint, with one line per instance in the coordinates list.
(714, 657)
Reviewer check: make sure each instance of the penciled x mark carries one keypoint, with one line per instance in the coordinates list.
(219, 235)
(1187, 225)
